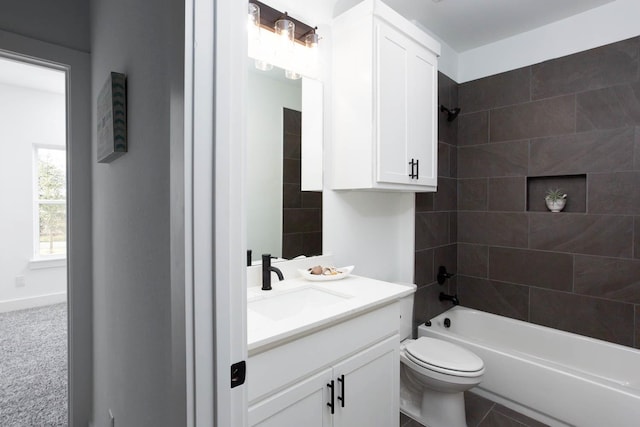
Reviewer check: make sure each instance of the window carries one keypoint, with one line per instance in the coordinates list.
(50, 205)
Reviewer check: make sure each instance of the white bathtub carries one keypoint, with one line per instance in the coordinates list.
(556, 377)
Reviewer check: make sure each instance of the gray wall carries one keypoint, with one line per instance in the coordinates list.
(574, 122)
(62, 22)
(135, 332)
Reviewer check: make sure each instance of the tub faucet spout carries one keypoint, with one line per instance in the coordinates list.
(267, 269)
(452, 298)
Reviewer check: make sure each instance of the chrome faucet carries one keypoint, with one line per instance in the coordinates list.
(267, 269)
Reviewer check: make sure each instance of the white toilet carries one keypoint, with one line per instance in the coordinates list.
(434, 375)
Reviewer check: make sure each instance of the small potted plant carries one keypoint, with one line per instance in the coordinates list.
(555, 200)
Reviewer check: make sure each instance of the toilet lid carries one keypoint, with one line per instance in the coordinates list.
(431, 352)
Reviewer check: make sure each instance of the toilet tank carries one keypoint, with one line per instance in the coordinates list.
(406, 313)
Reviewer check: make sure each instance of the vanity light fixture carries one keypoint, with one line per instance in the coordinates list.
(255, 41)
(275, 38)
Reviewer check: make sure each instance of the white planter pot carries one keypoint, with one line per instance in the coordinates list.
(556, 205)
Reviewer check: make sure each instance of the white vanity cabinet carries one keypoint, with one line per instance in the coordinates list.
(384, 102)
(343, 376)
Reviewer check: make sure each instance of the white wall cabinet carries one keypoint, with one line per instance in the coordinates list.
(384, 102)
(291, 385)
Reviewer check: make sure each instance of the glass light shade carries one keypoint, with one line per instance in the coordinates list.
(292, 75)
(286, 30)
(253, 20)
(311, 40)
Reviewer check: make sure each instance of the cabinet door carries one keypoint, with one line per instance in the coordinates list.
(371, 381)
(422, 126)
(304, 404)
(406, 88)
(391, 66)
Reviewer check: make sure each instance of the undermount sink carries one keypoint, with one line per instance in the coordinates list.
(288, 304)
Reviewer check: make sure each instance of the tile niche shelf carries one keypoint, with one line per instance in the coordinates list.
(574, 185)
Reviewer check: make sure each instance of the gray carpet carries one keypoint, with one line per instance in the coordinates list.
(33, 367)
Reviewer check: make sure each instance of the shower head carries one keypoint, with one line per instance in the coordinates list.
(451, 113)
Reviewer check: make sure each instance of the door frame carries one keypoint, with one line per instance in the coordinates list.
(77, 66)
(215, 85)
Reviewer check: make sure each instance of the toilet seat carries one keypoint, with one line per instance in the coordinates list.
(444, 357)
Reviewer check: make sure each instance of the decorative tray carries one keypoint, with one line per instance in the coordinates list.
(335, 274)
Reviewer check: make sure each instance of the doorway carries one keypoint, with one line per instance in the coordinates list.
(33, 248)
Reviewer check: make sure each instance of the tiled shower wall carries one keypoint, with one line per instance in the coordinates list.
(436, 217)
(576, 118)
(301, 210)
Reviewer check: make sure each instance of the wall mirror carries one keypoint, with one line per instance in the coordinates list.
(283, 164)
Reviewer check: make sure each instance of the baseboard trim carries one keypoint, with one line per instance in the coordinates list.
(38, 301)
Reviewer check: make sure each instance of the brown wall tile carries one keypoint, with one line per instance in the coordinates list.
(554, 116)
(444, 160)
(608, 108)
(503, 299)
(493, 160)
(453, 227)
(301, 220)
(291, 196)
(446, 256)
(432, 229)
(499, 90)
(424, 202)
(636, 237)
(507, 194)
(473, 129)
(592, 69)
(291, 171)
(594, 317)
(596, 151)
(312, 199)
(312, 243)
(423, 267)
(493, 228)
(611, 278)
(446, 198)
(473, 260)
(605, 235)
(447, 96)
(472, 194)
(426, 304)
(614, 193)
(292, 121)
(535, 268)
(636, 149)
(291, 146)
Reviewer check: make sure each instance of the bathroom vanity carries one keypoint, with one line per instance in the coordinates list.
(324, 353)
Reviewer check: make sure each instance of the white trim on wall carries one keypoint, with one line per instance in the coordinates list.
(33, 302)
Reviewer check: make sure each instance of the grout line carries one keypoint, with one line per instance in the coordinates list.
(486, 415)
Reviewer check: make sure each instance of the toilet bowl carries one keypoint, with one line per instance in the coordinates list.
(434, 374)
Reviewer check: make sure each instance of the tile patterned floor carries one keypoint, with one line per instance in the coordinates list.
(485, 413)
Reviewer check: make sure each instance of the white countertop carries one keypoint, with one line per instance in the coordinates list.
(360, 294)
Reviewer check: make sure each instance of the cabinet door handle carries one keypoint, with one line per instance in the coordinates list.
(417, 169)
(341, 397)
(413, 164)
(331, 404)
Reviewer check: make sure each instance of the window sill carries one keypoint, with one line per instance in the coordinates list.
(41, 263)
